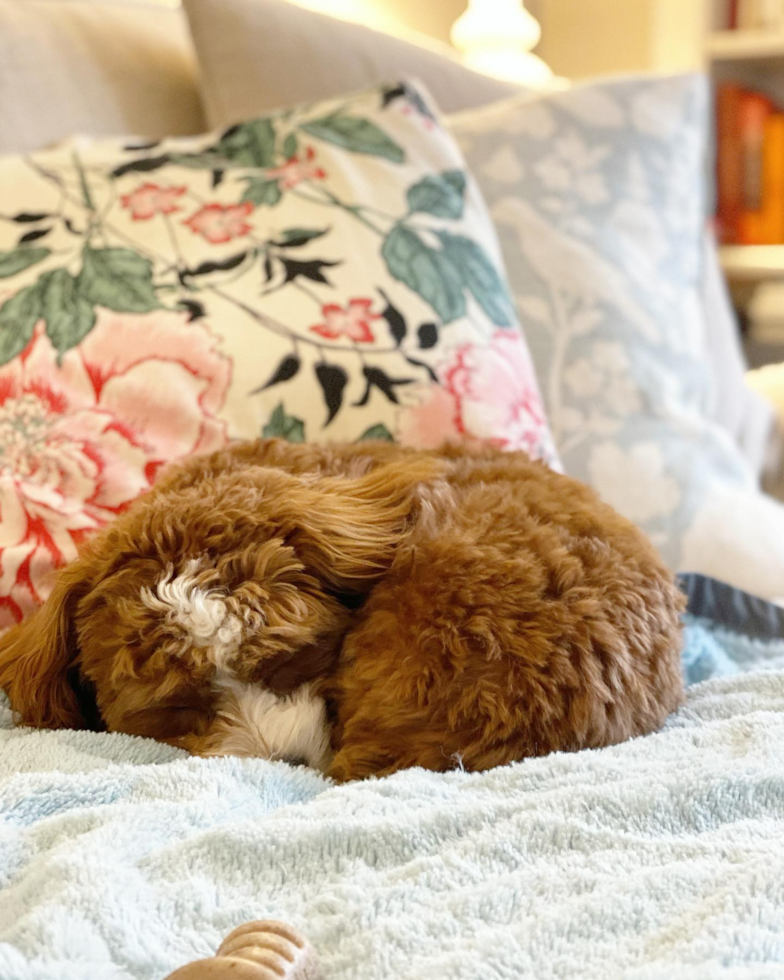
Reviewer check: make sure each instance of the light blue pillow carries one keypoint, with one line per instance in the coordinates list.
(598, 196)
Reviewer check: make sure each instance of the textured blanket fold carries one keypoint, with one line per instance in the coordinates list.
(658, 859)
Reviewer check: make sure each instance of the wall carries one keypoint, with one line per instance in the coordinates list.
(618, 32)
(434, 17)
(431, 17)
(625, 35)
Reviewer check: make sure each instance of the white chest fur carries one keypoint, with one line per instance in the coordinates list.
(252, 721)
(255, 722)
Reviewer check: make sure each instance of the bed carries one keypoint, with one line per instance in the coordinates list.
(659, 858)
(123, 859)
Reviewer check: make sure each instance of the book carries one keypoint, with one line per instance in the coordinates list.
(729, 162)
(749, 168)
(771, 220)
(732, 15)
(753, 111)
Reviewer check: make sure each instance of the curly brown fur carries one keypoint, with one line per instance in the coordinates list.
(456, 607)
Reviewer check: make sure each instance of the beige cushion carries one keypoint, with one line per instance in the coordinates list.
(103, 68)
(257, 55)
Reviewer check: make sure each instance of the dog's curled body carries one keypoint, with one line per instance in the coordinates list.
(460, 607)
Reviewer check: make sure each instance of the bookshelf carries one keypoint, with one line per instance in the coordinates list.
(752, 263)
(744, 45)
(751, 57)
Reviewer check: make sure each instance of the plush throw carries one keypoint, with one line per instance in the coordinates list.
(328, 273)
(657, 859)
(597, 194)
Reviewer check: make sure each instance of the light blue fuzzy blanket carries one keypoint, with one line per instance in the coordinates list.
(660, 858)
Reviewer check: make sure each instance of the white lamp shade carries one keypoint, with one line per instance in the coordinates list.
(496, 37)
(494, 24)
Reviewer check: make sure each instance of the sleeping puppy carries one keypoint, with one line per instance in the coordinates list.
(360, 608)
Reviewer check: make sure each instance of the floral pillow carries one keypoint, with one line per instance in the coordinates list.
(327, 273)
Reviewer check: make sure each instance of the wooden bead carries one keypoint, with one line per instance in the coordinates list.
(263, 950)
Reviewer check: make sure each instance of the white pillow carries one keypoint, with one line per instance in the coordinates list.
(745, 414)
(597, 194)
(738, 536)
(104, 68)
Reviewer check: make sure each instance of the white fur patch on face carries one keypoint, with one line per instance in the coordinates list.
(201, 613)
(255, 722)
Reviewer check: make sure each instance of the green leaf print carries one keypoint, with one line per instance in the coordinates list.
(425, 270)
(377, 432)
(69, 316)
(355, 135)
(260, 192)
(18, 317)
(118, 279)
(20, 259)
(480, 276)
(250, 144)
(440, 194)
(284, 426)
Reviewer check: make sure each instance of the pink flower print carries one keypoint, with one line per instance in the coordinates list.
(219, 223)
(352, 322)
(82, 437)
(150, 199)
(487, 393)
(295, 170)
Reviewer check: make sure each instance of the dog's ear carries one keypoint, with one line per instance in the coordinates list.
(349, 531)
(38, 669)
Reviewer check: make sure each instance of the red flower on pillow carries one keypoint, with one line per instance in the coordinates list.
(295, 170)
(353, 322)
(219, 223)
(150, 199)
(487, 393)
(79, 440)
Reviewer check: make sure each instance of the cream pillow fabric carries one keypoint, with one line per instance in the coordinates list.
(104, 68)
(258, 55)
(326, 273)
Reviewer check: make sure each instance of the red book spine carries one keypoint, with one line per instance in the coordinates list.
(732, 15)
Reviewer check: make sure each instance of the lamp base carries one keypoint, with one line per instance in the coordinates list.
(513, 65)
